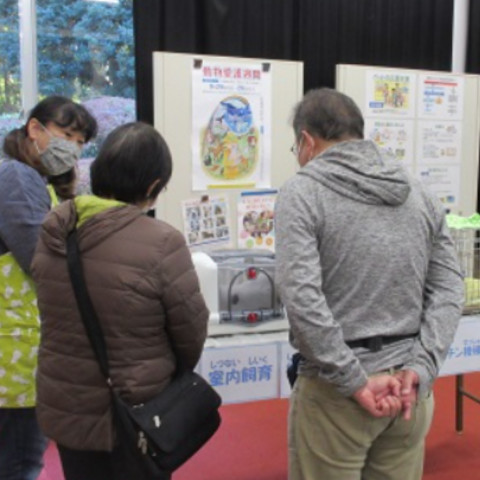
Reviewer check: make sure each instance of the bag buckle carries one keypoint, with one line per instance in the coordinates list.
(142, 443)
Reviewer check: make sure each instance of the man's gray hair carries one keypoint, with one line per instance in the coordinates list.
(328, 114)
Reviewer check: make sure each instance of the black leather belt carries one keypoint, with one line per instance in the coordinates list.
(375, 344)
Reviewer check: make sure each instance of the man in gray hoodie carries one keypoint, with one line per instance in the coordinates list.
(370, 281)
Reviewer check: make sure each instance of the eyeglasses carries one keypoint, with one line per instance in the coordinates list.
(295, 148)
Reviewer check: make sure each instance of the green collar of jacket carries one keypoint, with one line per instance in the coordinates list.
(88, 206)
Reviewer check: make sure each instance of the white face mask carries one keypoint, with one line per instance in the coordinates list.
(60, 156)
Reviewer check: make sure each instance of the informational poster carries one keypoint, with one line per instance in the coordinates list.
(439, 142)
(255, 220)
(231, 112)
(464, 353)
(439, 135)
(390, 94)
(206, 222)
(442, 180)
(242, 373)
(416, 118)
(441, 97)
(395, 136)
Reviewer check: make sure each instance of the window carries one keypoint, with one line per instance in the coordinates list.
(10, 84)
(82, 49)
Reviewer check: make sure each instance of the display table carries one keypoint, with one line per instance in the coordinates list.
(463, 357)
(464, 353)
(246, 363)
(247, 367)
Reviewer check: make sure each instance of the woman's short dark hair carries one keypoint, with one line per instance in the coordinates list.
(131, 158)
(56, 109)
(328, 114)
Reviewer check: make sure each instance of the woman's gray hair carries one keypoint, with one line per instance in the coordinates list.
(328, 114)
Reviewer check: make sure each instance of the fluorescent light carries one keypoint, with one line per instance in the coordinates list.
(104, 1)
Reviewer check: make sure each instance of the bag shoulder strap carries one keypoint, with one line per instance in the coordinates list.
(88, 313)
(85, 305)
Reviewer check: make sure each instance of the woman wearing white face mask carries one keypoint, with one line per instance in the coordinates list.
(43, 155)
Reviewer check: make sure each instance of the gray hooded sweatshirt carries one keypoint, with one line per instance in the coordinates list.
(363, 250)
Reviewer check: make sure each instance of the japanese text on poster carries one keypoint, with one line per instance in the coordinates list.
(441, 97)
(439, 143)
(394, 136)
(231, 105)
(443, 181)
(464, 353)
(242, 373)
(390, 94)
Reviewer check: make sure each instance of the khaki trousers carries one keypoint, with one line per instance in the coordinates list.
(332, 438)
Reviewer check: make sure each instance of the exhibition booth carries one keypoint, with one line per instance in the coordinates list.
(223, 200)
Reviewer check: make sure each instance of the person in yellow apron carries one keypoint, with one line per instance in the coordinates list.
(40, 167)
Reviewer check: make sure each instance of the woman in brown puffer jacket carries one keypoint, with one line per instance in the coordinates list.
(146, 293)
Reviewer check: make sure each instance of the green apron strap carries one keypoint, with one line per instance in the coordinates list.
(53, 195)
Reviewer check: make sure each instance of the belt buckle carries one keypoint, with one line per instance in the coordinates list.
(375, 344)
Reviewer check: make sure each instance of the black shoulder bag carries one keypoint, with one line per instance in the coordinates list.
(168, 429)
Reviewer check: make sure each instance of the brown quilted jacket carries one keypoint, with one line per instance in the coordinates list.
(142, 283)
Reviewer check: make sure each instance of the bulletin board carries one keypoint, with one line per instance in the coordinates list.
(428, 120)
(175, 118)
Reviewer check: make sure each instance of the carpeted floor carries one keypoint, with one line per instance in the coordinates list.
(251, 443)
(450, 455)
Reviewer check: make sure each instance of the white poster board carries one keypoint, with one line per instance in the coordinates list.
(427, 120)
(231, 123)
(242, 373)
(173, 118)
(464, 353)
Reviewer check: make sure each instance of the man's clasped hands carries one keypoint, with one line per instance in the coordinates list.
(387, 395)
